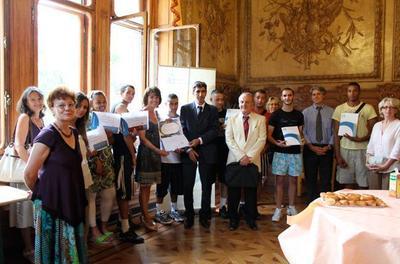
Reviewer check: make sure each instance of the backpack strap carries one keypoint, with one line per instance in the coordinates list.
(360, 108)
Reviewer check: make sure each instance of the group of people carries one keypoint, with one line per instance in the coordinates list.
(65, 176)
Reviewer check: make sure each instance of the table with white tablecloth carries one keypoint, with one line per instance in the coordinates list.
(329, 234)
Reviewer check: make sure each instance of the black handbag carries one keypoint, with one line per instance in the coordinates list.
(237, 175)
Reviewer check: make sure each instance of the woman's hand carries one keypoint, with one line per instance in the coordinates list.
(99, 167)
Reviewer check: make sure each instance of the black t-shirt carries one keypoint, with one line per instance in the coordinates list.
(280, 119)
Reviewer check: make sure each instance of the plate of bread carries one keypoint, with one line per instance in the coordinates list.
(351, 199)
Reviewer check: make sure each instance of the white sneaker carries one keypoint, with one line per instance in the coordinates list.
(291, 210)
(277, 215)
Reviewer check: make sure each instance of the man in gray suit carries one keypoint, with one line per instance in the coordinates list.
(200, 126)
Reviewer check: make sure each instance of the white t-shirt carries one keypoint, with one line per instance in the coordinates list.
(387, 143)
(172, 158)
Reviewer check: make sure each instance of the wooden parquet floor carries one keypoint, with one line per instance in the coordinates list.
(174, 244)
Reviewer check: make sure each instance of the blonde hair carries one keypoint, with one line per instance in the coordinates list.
(272, 98)
(391, 102)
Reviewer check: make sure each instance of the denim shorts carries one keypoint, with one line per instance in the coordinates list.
(287, 164)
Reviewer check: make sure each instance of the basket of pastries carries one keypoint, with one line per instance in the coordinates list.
(351, 199)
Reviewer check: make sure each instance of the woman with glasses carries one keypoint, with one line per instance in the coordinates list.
(54, 174)
(383, 152)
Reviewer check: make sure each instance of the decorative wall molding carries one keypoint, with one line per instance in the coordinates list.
(375, 74)
(396, 42)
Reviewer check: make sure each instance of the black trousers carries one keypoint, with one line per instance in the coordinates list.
(314, 165)
(250, 199)
(207, 178)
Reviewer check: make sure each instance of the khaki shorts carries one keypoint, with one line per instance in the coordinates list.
(356, 171)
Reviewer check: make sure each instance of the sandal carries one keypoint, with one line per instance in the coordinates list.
(29, 255)
(150, 226)
(103, 239)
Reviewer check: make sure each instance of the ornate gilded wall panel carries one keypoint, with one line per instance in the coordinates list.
(305, 40)
(218, 33)
(396, 42)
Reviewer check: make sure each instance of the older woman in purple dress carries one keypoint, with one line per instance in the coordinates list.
(54, 174)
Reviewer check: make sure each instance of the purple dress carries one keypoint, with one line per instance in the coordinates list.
(60, 184)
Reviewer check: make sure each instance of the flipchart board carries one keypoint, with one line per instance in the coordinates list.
(179, 80)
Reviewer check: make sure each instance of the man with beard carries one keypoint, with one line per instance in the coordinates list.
(287, 160)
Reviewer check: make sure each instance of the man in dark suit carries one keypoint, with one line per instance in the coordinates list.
(200, 126)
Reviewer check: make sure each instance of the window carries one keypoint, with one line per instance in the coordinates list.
(126, 7)
(82, 2)
(61, 48)
(127, 57)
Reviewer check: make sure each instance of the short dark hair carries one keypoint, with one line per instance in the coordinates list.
(216, 91)
(80, 123)
(318, 88)
(125, 87)
(22, 105)
(261, 91)
(199, 84)
(172, 96)
(151, 90)
(61, 92)
(287, 89)
(94, 93)
(355, 84)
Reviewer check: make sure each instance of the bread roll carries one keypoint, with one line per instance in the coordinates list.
(361, 203)
(367, 197)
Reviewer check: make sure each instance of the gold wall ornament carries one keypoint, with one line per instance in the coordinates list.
(219, 23)
(396, 42)
(304, 40)
(306, 29)
(216, 21)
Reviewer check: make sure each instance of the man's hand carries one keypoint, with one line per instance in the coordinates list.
(320, 151)
(194, 143)
(163, 153)
(281, 143)
(245, 161)
(355, 139)
(340, 161)
(193, 156)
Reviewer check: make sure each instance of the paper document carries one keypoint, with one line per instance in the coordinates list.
(230, 113)
(109, 121)
(171, 134)
(348, 124)
(135, 119)
(97, 138)
(291, 135)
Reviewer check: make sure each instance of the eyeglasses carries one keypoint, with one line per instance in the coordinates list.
(388, 107)
(64, 106)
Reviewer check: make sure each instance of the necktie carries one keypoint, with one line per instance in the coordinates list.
(199, 111)
(318, 125)
(246, 126)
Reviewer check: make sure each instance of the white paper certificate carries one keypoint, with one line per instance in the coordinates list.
(348, 124)
(109, 121)
(97, 138)
(291, 135)
(230, 113)
(171, 134)
(135, 119)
